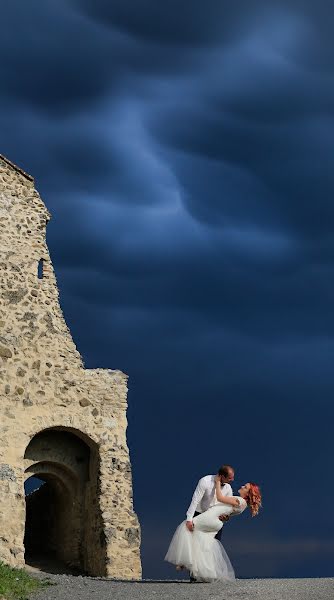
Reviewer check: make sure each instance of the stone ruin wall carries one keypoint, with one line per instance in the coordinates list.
(45, 390)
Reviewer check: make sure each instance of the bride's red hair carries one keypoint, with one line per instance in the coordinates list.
(254, 498)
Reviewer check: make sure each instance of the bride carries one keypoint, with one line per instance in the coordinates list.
(198, 550)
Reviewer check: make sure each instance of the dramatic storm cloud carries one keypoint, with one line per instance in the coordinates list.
(185, 152)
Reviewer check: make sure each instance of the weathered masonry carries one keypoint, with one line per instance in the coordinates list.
(59, 422)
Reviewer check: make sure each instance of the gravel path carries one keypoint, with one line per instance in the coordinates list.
(68, 587)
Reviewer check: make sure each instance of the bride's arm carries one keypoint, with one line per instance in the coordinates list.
(231, 500)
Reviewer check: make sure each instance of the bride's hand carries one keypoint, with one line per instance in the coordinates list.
(217, 479)
(235, 502)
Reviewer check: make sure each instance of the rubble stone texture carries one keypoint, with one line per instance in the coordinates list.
(58, 421)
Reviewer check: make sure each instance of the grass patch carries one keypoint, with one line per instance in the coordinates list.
(17, 584)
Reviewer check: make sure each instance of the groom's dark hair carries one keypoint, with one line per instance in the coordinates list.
(224, 470)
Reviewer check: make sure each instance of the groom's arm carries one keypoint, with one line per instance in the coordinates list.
(197, 497)
(226, 491)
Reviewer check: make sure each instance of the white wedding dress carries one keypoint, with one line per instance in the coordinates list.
(198, 550)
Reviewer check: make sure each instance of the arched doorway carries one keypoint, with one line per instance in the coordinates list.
(63, 520)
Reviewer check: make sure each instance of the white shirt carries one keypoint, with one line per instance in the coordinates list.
(205, 495)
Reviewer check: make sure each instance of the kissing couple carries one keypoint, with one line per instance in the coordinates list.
(196, 542)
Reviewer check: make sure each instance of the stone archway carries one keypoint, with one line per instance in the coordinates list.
(63, 517)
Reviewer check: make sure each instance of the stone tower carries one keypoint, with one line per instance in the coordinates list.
(59, 422)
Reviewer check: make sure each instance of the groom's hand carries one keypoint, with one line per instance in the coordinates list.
(190, 525)
(224, 518)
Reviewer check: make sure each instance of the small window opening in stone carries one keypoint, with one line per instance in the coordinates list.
(40, 268)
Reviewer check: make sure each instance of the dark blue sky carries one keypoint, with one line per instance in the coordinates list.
(185, 150)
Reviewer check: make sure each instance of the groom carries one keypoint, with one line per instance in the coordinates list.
(204, 495)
